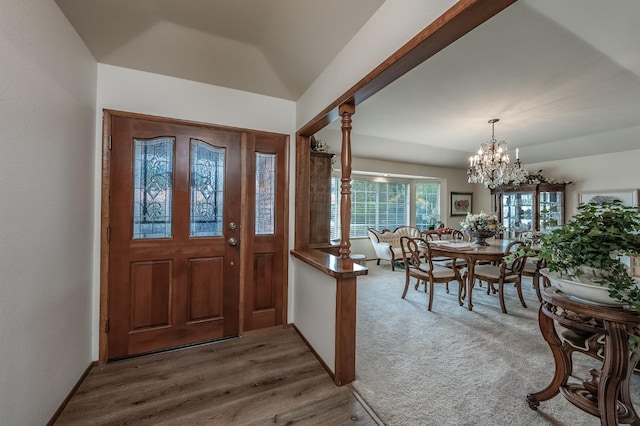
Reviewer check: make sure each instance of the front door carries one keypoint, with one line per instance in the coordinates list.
(174, 220)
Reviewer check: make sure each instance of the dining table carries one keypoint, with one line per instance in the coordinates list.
(472, 254)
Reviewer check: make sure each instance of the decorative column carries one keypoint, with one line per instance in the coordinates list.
(346, 111)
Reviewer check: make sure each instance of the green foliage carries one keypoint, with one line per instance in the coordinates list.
(596, 238)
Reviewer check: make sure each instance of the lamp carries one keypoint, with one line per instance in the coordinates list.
(491, 165)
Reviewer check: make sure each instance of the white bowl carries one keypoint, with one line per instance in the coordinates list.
(591, 292)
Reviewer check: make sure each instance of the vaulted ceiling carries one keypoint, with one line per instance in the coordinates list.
(562, 76)
(272, 47)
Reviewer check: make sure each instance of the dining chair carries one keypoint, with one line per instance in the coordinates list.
(456, 236)
(417, 256)
(508, 272)
(532, 269)
(512, 247)
(533, 264)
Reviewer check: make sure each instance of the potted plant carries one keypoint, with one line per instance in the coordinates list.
(588, 250)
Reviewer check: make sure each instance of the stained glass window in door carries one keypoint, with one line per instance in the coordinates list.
(207, 189)
(265, 193)
(152, 187)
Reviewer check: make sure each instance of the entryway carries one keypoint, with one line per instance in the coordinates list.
(195, 244)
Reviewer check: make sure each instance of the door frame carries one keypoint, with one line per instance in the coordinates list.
(105, 220)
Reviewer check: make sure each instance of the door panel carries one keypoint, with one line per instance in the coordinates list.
(173, 279)
(263, 291)
(150, 294)
(205, 291)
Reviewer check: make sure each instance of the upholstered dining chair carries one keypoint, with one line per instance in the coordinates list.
(417, 257)
(456, 236)
(532, 266)
(507, 272)
(532, 270)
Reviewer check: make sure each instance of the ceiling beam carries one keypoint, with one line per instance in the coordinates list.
(460, 19)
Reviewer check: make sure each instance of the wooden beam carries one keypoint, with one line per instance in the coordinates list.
(460, 19)
(345, 357)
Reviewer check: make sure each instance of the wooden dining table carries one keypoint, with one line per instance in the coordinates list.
(494, 252)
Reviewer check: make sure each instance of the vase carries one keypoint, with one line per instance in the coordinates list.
(481, 236)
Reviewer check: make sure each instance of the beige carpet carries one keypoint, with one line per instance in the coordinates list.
(455, 367)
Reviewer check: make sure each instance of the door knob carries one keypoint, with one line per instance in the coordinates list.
(232, 241)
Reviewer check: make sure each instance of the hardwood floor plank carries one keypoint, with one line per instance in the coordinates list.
(269, 377)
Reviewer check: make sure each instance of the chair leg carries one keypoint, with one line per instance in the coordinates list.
(519, 289)
(406, 286)
(536, 285)
(447, 287)
(378, 263)
(501, 293)
(430, 294)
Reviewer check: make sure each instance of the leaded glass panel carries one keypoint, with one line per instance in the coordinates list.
(152, 187)
(207, 190)
(265, 193)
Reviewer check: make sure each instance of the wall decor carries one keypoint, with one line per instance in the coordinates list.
(461, 203)
(628, 196)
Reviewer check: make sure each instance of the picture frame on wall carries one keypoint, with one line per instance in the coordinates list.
(628, 197)
(461, 203)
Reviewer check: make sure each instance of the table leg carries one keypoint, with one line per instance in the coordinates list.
(563, 363)
(625, 396)
(614, 371)
(471, 280)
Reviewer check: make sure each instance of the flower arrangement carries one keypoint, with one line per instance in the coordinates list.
(481, 222)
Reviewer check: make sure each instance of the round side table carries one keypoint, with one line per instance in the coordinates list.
(601, 332)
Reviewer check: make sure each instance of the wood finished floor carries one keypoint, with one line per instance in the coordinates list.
(265, 378)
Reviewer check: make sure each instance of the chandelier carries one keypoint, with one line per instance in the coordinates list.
(491, 165)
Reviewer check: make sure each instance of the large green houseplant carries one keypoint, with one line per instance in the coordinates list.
(589, 248)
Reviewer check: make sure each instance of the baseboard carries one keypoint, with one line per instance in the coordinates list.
(264, 330)
(55, 416)
(313, 351)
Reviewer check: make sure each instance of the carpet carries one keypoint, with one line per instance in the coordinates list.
(452, 366)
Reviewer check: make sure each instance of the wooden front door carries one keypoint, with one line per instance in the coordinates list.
(174, 253)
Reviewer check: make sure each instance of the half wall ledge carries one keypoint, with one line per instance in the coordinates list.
(330, 264)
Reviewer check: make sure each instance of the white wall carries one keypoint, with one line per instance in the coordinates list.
(315, 313)
(593, 173)
(146, 93)
(47, 125)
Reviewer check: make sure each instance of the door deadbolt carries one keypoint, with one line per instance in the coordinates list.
(232, 225)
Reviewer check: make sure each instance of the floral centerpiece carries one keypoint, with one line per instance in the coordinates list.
(481, 226)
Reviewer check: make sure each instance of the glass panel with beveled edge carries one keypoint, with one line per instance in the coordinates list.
(517, 213)
(152, 187)
(265, 193)
(551, 210)
(207, 190)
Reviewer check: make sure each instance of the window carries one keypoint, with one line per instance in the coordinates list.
(152, 187)
(427, 205)
(385, 205)
(265, 194)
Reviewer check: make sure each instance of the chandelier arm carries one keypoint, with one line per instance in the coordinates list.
(492, 165)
